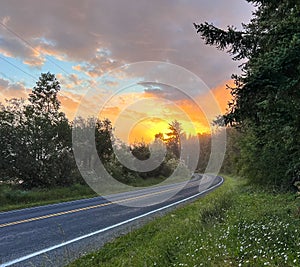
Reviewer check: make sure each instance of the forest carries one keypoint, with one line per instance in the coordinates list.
(265, 104)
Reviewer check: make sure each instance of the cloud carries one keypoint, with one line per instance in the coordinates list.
(93, 37)
(13, 47)
(222, 94)
(12, 90)
(98, 65)
(71, 81)
(169, 92)
(69, 103)
(110, 111)
(101, 35)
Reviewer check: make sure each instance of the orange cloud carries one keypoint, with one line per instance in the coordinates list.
(136, 115)
(69, 103)
(196, 115)
(165, 110)
(223, 95)
(10, 90)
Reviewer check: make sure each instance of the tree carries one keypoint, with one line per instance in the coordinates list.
(36, 147)
(205, 151)
(266, 97)
(11, 118)
(140, 150)
(103, 134)
(92, 128)
(44, 94)
(173, 140)
(49, 135)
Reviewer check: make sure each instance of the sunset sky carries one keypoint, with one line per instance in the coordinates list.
(80, 41)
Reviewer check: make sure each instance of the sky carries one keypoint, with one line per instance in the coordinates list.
(86, 44)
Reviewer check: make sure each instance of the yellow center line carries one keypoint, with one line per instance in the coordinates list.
(85, 208)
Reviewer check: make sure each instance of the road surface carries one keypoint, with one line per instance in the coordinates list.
(54, 235)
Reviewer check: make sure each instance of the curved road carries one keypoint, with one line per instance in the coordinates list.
(54, 235)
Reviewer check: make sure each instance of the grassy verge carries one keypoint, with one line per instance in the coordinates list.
(13, 198)
(235, 225)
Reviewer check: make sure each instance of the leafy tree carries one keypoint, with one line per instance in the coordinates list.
(205, 151)
(49, 136)
(233, 154)
(266, 96)
(36, 148)
(101, 131)
(11, 118)
(103, 139)
(140, 150)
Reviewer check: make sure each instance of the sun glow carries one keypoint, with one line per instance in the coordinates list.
(148, 117)
(146, 130)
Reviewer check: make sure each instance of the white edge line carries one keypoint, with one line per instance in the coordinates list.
(9, 263)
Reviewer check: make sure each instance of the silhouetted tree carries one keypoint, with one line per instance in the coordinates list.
(173, 140)
(266, 96)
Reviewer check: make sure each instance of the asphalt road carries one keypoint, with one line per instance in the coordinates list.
(54, 235)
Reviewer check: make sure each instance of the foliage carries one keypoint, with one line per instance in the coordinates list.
(142, 151)
(44, 94)
(36, 139)
(101, 132)
(174, 137)
(205, 151)
(232, 159)
(13, 197)
(266, 97)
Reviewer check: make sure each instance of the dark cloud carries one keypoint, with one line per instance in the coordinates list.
(163, 91)
(127, 30)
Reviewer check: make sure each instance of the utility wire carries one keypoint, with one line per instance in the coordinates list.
(25, 72)
(34, 49)
(15, 66)
(31, 46)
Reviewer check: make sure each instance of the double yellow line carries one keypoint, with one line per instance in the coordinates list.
(85, 208)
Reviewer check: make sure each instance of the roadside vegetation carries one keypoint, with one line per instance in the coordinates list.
(17, 198)
(236, 225)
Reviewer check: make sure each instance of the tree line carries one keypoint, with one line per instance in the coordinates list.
(266, 97)
(36, 143)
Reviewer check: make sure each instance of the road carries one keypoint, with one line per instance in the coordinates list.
(54, 235)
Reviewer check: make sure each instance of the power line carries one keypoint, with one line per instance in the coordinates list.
(31, 46)
(34, 49)
(25, 72)
(17, 67)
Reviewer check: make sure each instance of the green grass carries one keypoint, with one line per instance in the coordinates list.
(13, 198)
(235, 225)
